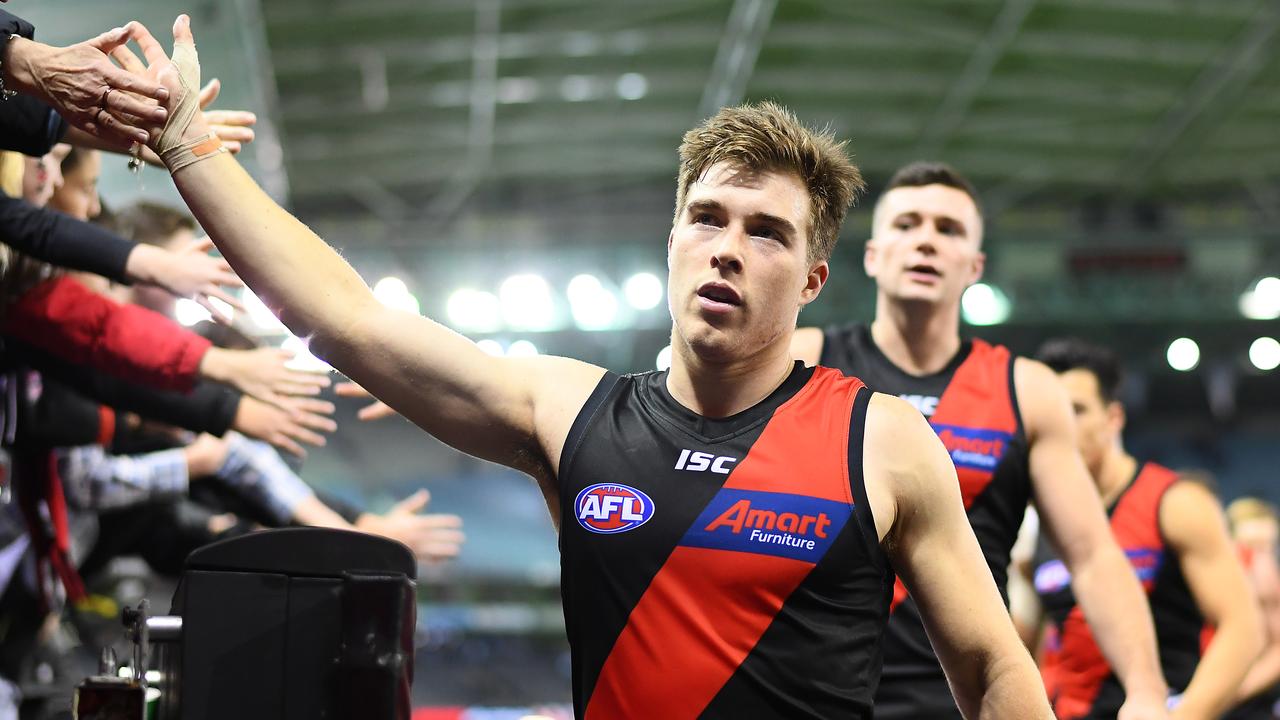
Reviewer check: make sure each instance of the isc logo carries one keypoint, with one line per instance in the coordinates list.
(699, 461)
(608, 508)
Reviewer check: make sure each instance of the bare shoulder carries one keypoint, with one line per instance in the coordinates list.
(560, 388)
(1041, 399)
(806, 345)
(1033, 379)
(893, 425)
(1189, 512)
(904, 462)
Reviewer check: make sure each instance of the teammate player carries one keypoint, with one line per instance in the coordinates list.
(1175, 536)
(1005, 421)
(725, 540)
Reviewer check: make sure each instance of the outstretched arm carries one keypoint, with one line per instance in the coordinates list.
(934, 550)
(1071, 513)
(512, 411)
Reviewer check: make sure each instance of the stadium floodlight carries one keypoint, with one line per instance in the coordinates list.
(984, 304)
(1183, 354)
(632, 86)
(526, 302)
(491, 347)
(1264, 353)
(643, 291)
(522, 348)
(393, 293)
(474, 310)
(592, 305)
(1262, 301)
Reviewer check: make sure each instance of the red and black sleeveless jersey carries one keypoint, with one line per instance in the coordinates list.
(1079, 679)
(971, 405)
(721, 568)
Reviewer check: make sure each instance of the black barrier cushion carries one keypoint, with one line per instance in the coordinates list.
(306, 552)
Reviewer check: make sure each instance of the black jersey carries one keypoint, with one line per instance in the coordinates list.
(721, 568)
(1080, 682)
(971, 405)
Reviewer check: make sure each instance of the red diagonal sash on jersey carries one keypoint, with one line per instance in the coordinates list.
(708, 606)
(1079, 667)
(975, 421)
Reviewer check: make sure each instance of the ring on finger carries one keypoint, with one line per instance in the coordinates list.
(102, 102)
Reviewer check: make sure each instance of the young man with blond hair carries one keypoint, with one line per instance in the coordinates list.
(1005, 422)
(726, 542)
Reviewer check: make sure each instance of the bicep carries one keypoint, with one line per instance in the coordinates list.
(1066, 498)
(1192, 522)
(935, 552)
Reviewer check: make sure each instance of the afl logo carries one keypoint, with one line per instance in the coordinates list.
(609, 508)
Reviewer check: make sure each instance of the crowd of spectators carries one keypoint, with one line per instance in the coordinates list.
(123, 432)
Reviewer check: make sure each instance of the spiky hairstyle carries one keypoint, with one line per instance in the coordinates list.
(767, 137)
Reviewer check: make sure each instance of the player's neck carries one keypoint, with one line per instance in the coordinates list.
(920, 339)
(720, 389)
(1118, 469)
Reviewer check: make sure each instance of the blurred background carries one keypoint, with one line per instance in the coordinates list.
(507, 166)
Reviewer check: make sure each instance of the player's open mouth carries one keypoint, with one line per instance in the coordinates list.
(719, 297)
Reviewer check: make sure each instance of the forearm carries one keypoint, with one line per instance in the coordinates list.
(1117, 611)
(1012, 689)
(1262, 675)
(291, 269)
(1223, 666)
(256, 471)
(61, 240)
(96, 480)
(311, 511)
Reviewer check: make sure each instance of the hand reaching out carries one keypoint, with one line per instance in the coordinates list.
(431, 537)
(81, 83)
(374, 411)
(188, 272)
(180, 76)
(294, 421)
(262, 373)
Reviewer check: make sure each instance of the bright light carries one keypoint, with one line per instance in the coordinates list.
(632, 86)
(526, 302)
(576, 88)
(1263, 301)
(225, 311)
(643, 291)
(492, 347)
(1184, 354)
(984, 304)
(592, 305)
(474, 310)
(664, 358)
(190, 312)
(522, 348)
(392, 292)
(1264, 353)
(302, 357)
(259, 313)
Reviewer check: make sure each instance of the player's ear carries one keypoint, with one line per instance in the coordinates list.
(816, 279)
(869, 257)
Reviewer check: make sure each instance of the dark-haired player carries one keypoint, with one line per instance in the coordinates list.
(1005, 421)
(1175, 535)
